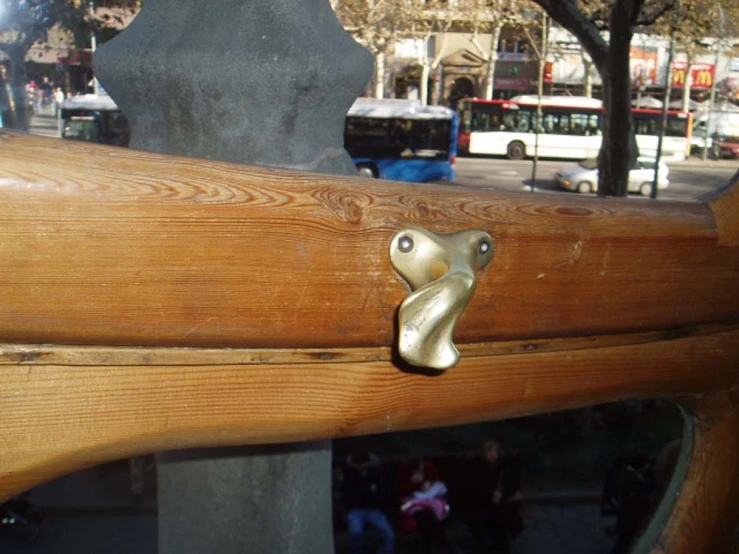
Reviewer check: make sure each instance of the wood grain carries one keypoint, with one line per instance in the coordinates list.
(723, 203)
(100, 356)
(112, 246)
(62, 411)
(258, 306)
(706, 512)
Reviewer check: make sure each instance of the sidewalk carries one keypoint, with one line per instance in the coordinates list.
(98, 501)
(694, 161)
(104, 489)
(107, 489)
(44, 124)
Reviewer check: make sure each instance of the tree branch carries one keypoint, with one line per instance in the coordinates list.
(568, 14)
(646, 19)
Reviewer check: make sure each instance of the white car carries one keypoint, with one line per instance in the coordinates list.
(583, 176)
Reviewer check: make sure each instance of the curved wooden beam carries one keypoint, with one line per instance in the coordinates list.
(585, 301)
(703, 502)
(114, 247)
(71, 407)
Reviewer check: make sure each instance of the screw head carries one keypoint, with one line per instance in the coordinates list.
(405, 244)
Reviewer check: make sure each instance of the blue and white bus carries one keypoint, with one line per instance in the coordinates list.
(402, 140)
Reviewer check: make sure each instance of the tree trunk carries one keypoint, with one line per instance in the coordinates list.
(20, 116)
(618, 150)
(491, 61)
(686, 87)
(588, 79)
(380, 75)
(437, 93)
(424, 84)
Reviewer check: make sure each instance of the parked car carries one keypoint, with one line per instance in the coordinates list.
(725, 147)
(583, 176)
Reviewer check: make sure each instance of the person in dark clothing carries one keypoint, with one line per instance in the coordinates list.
(494, 496)
(363, 498)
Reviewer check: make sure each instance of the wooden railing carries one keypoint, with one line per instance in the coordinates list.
(151, 302)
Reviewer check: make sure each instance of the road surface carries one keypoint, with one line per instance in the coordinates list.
(688, 180)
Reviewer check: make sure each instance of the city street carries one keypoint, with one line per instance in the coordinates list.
(555, 529)
(688, 180)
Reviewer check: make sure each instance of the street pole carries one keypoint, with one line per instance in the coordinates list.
(95, 83)
(665, 103)
(540, 92)
(711, 102)
(94, 46)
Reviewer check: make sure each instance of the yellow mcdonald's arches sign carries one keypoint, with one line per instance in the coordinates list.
(703, 79)
(701, 74)
(678, 77)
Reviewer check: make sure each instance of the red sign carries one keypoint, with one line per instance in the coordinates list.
(548, 70)
(702, 75)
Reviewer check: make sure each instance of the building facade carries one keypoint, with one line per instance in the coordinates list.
(463, 66)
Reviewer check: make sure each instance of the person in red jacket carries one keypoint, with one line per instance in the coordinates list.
(423, 504)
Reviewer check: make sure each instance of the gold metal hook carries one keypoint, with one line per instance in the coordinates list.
(441, 270)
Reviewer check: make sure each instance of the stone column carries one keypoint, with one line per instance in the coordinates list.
(264, 82)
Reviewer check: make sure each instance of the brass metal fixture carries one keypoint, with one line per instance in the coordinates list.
(441, 270)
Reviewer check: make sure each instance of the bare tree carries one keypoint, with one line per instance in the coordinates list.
(588, 66)
(434, 19)
(587, 20)
(376, 25)
(490, 17)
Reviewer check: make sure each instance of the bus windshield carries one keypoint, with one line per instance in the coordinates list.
(77, 127)
(366, 137)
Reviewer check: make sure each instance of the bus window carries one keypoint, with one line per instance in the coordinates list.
(466, 120)
(563, 126)
(366, 137)
(85, 128)
(676, 127)
(486, 118)
(118, 131)
(551, 123)
(480, 122)
(645, 124)
(579, 124)
(594, 125)
(517, 121)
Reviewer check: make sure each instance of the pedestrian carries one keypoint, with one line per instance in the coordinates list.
(6, 99)
(424, 506)
(46, 92)
(364, 494)
(494, 496)
(58, 99)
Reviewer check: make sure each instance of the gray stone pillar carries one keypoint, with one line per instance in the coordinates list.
(264, 82)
